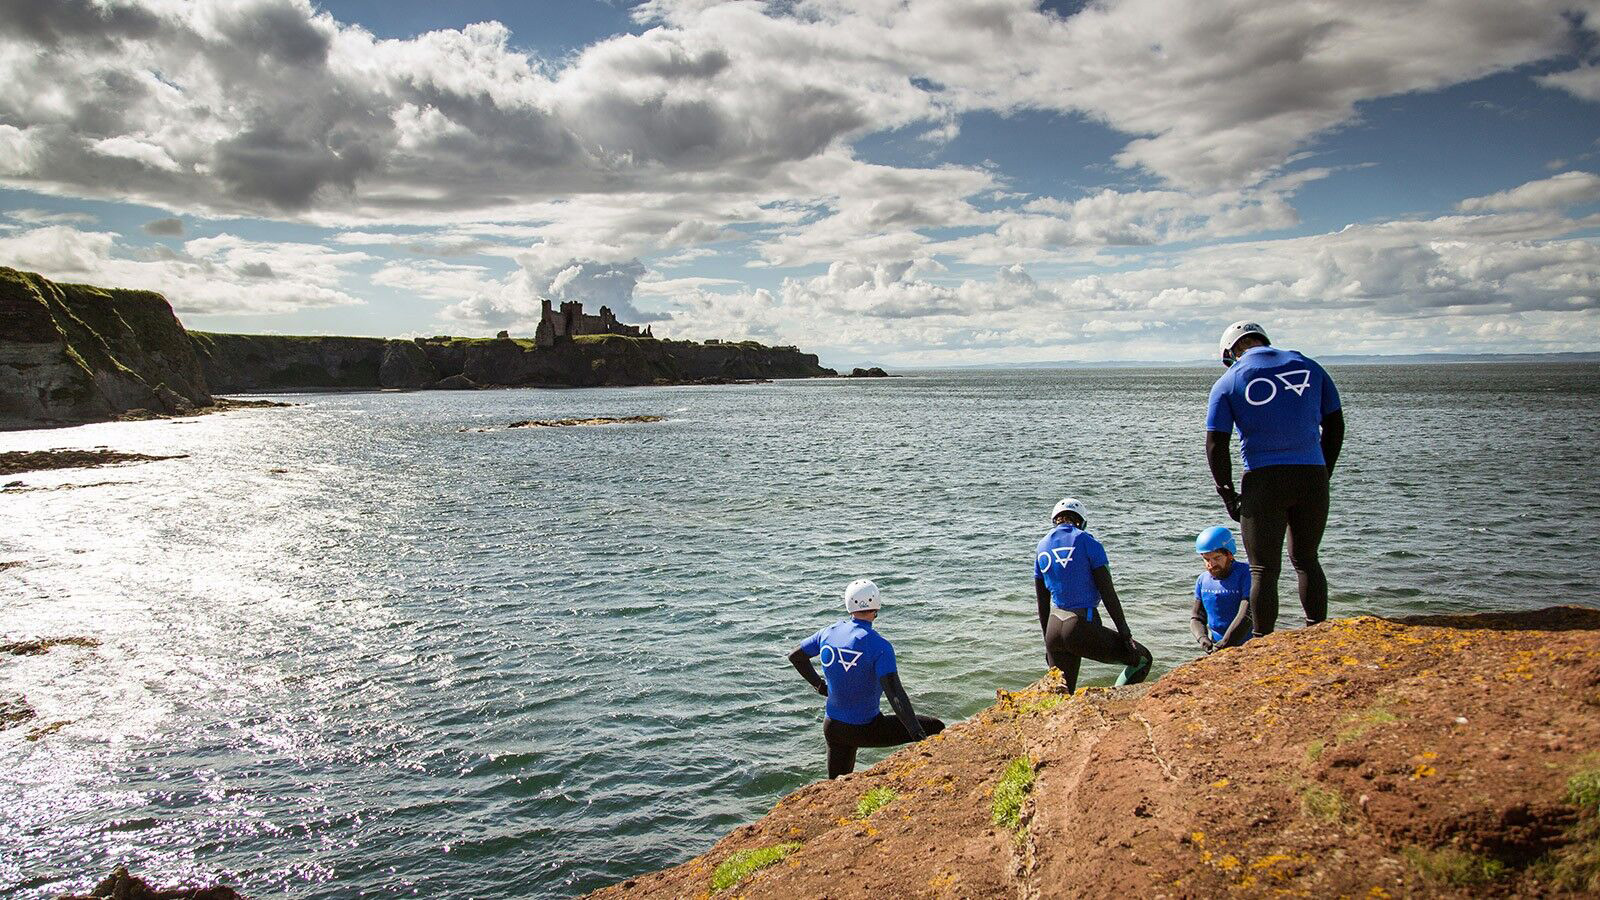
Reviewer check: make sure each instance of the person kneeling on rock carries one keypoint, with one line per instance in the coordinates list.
(1221, 615)
(859, 665)
(1071, 579)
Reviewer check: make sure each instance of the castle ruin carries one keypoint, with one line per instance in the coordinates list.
(571, 321)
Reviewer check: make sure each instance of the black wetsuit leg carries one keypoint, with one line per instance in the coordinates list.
(1279, 500)
(1068, 639)
(884, 731)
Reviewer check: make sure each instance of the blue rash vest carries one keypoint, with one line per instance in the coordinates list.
(1277, 400)
(1064, 560)
(853, 657)
(1220, 597)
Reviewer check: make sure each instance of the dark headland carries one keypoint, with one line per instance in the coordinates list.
(72, 353)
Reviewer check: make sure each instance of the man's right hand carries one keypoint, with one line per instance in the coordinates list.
(822, 688)
(1207, 644)
(1230, 499)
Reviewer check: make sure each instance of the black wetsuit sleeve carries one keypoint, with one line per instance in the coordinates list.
(1042, 594)
(1236, 624)
(1332, 438)
(1197, 623)
(802, 664)
(902, 705)
(1108, 596)
(1219, 458)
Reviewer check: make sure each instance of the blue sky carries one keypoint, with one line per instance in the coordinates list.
(945, 181)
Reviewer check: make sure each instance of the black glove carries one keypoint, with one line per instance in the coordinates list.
(1230, 499)
(1129, 642)
(822, 688)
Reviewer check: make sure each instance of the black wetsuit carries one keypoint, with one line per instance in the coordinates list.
(844, 739)
(1068, 638)
(1275, 501)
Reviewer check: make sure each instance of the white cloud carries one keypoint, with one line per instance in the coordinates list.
(1582, 82)
(43, 217)
(125, 147)
(516, 301)
(272, 108)
(222, 274)
(734, 122)
(1562, 191)
(1400, 286)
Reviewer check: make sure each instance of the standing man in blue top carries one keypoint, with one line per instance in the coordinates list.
(1221, 616)
(859, 665)
(1291, 428)
(1070, 580)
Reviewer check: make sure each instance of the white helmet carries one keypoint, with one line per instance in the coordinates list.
(861, 596)
(1233, 333)
(1068, 504)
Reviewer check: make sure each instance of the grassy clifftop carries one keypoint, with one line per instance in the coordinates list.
(73, 353)
(1443, 756)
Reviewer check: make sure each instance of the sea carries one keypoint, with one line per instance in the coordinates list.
(379, 644)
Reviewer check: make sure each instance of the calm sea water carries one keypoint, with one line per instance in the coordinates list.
(429, 660)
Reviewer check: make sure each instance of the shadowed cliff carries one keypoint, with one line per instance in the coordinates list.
(74, 353)
(243, 362)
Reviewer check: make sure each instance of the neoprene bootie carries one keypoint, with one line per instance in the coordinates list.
(1136, 673)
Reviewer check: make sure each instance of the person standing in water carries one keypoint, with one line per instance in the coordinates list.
(1221, 615)
(859, 666)
(1291, 428)
(1071, 579)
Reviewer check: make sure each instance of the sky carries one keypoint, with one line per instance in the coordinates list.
(923, 183)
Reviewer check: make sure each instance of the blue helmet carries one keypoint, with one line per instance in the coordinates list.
(1217, 537)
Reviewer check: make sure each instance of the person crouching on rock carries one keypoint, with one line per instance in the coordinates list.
(1221, 616)
(859, 665)
(1071, 580)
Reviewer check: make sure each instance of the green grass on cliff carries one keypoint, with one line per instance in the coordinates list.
(1318, 802)
(1453, 867)
(1012, 791)
(1583, 788)
(874, 800)
(745, 863)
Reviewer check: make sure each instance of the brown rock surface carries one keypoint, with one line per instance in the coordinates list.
(1365, 757)
(119, 885)
(17, 461)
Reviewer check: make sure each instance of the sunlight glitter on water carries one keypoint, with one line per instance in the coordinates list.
(538, 661)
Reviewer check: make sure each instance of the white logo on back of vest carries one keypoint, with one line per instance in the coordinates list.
(1297, 380)
(1044, 558)
(1302, 380)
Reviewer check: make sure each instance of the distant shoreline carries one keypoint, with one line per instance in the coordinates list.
(1426, 359)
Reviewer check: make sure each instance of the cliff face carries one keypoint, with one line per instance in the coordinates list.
(265, 362)
(72, 353)
(1440, 756)
(237, 362)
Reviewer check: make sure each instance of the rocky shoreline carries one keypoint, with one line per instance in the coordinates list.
(1448, 756)
(1437, 756)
